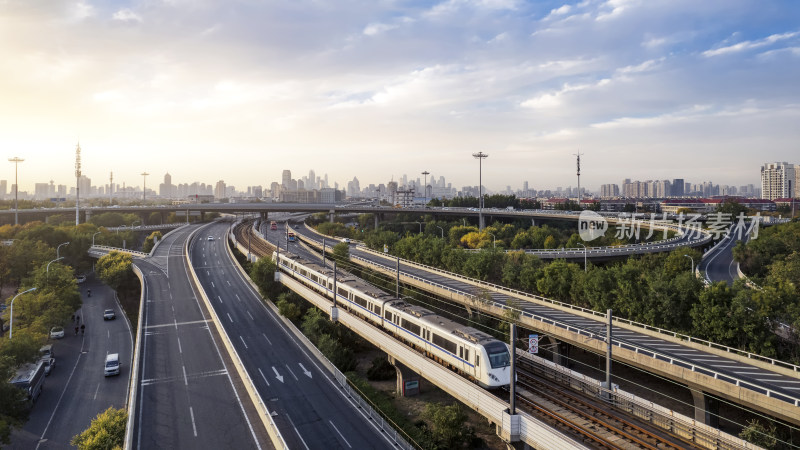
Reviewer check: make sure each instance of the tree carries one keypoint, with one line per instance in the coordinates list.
(760, 435)
(107, 431)
(150, 241)
(341, 252)
(557, 279)
(447, 425)
(288, 308)
(263, 275)
(13, 410)
(115, 270)
(340, 355)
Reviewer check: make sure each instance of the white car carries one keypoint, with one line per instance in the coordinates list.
(211, 238)
(346, 240)
(81, 279)
(57, 333)
(109, 314)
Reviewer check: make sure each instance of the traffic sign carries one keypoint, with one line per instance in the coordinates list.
(533, 344)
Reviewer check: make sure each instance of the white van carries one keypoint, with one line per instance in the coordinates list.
(112, 364)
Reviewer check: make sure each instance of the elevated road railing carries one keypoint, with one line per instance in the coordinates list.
(753, 392)
(100, 250)
(163, 226)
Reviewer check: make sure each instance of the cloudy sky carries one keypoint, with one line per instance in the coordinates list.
(240, 89)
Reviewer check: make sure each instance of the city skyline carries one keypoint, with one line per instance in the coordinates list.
(239, 92)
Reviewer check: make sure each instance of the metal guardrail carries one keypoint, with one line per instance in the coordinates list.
(620, 342)
(657, 415)
(136, 253)
(147, 227)
(133, 388)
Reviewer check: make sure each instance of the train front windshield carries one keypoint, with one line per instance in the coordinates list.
(498, 355)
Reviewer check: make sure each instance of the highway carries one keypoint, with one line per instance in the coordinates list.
(76, 390)
(307, 406)
(188, 394)
(719, 265)
(750, 377)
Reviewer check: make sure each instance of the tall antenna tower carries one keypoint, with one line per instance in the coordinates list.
(579, 177)
(78, 184)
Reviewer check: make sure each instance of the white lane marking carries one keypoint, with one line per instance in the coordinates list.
(340, 434)
(305, 371)
(277, 375)
(212, 284)
(95, 391)
(298, 433)
(147, 327)
(237, 297)
(185, 379)
(262, 376)
(220, 299)
(229, 283)
(243, 342)
(194, 427)
(180, 349)
(108, 333)
(265, 337)
(208, 273)
(251, 316)
(229, 317)
(290, 371)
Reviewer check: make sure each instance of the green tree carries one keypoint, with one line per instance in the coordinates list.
(13, 410)
(262, 273)
(341, 253)
(288, 308)
(557, 279)
(107, 431)
(316, 324)
(760, 435)
(340, 355)
(447, 425)
(115, 269)
(150, 241)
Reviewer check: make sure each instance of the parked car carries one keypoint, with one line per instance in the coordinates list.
(49, 363)
(57, 333)
(109, 314)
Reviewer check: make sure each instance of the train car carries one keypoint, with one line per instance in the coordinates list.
(466, 350)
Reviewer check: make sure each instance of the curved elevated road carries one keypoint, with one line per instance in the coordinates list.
(307, 406)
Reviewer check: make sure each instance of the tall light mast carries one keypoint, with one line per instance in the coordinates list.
(16, 160)
(78, 184)
(111, 189)
(144, 185)
(579, 178)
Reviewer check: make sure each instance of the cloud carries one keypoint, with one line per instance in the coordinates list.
(82, 10)
(553, 99)
(126, 15)
(748, 45)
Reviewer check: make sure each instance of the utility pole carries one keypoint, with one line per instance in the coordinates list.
(481, 156)
(78, 185)
(111, 189)
(16, 161)
(579, 177)
(144, 185)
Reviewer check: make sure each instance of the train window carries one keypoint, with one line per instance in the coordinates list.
(466, 354)
(360, 301)
(342, 292)
(411, 326)
(477, 360)
(444, 343)
(388, 315)
(303, 272)
(498, 354)
(460, 352)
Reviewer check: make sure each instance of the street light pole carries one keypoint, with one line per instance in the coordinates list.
(11, 315)
(420, 226)
(692, 259)
(16, 160)
(47, 272)
(440, 228)
(425, 188)
(144, 186)
(480, 156)
(94, 236)
(494, 239)
(584, 256)
(59, 248)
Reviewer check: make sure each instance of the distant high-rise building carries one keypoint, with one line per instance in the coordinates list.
(677, 187)
(286, 179)
(219, 190)
(3, 188)
(40, 191)
(778, 180)
(167, 189)
(609, 191)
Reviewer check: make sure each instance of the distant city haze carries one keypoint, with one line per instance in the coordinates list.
(207, 91)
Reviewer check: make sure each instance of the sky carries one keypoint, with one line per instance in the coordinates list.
(238, 90)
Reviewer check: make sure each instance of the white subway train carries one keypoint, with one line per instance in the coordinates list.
(464, 349)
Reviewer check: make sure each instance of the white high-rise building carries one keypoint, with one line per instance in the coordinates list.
(778, 180)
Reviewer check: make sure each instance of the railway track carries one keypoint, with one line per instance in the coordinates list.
(593, 423)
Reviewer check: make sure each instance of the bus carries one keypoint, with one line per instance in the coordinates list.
(30, 377)
(273, 225)
(290, 236)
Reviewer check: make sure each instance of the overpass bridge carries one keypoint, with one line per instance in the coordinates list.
(710, 370)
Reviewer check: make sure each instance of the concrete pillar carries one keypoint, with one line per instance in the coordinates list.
(407, 379)
(88, 214)
(332, 214)
(561, 353)
(533, 222)
(706, 408)
(376, 221)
